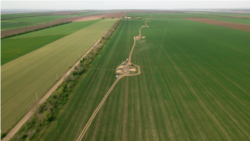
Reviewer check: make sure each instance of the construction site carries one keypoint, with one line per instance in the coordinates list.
(126, 68)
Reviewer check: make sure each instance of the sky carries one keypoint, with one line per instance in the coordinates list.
(122, 4)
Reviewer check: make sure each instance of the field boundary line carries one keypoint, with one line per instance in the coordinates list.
(112, 87)
(15, 129)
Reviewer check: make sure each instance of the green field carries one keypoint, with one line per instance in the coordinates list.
(168, 15)
(28, 21)
(40, 19)
(17, 46)
(87, 13)
(194, 85)
(36, 72)
(5, 25)
(19, 15)
(62, 29)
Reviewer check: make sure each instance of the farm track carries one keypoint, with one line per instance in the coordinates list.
(111, 88)
(15, 129)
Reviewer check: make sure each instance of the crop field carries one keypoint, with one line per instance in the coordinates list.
(194, 85)
(87, 13)
(62, 29)
(40, 19)
(19, 15)
(17, 46)
(14, 48)
(28, 21)
(36, 72)
(168, 15)
(5, 25)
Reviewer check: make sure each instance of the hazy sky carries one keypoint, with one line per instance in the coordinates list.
(129, 4)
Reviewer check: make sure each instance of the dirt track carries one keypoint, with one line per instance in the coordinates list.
(74, 19)
(243, 27)
(110, 89)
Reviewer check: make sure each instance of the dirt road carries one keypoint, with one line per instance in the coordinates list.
(110, 89)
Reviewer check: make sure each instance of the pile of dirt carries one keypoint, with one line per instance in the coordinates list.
(243, 27)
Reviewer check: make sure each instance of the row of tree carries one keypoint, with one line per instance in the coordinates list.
(35, 127)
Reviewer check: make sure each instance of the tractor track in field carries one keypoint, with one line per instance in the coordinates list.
(112, 87)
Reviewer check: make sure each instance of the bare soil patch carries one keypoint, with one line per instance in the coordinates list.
(238, 26)
(132, 69)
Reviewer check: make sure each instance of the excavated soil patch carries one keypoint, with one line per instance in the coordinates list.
(243, 27)
(132, 69)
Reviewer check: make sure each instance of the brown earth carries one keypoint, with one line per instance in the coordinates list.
(132, 69)
(238, 26)
(74, 19)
